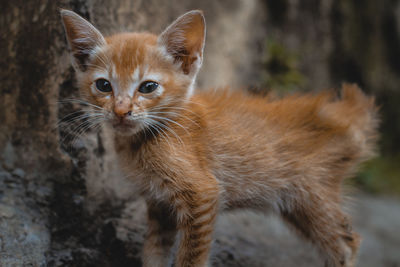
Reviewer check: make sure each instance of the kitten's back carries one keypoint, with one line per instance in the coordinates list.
(301, 132)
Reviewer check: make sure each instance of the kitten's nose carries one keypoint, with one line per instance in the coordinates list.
(122, 108)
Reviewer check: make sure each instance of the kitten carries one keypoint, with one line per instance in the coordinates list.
(194, 154)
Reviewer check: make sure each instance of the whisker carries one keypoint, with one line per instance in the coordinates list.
(103, 58)
(69, 118)
(78, 111)
(89, 126)
(65, 123)
(169, 120)
(163, 108)
(84, 128)
(71, 100)
(88, 122)
(176, 114)
(163, 134)
(193, 102)
(168, 129)
(151, 131)
(76, 131)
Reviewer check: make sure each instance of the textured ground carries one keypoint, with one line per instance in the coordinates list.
(242, 238)
(247, 239)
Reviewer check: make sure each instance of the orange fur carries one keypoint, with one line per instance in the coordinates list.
(193, 155)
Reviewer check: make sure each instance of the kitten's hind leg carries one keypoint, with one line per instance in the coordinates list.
(160, 235)
(325, 225)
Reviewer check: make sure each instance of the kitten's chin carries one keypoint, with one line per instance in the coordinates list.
(122, 129)
(126, 132)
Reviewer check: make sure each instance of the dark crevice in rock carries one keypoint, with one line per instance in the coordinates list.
(277, 11)
(390, 35)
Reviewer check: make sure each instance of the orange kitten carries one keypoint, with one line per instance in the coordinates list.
(194, 154)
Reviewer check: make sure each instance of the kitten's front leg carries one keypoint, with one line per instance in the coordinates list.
(160, 235)
(197, 228)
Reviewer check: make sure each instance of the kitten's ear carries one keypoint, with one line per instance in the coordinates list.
(184, 40)
(83, 37)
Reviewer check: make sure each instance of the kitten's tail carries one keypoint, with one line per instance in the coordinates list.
(360, 114)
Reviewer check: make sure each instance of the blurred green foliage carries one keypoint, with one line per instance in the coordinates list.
(381, 175)
(281, 72)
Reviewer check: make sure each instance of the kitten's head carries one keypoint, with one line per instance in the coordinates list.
(136, 79)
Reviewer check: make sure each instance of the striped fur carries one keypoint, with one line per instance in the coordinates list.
(194, 154)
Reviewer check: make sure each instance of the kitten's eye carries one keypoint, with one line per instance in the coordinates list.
(148, 87)
(103, 85)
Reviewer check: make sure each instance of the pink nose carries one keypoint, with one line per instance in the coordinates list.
(122, 108)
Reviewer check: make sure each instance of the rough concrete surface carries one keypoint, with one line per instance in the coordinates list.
(242, 238)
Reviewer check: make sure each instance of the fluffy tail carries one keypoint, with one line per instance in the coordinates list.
(360, 114)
